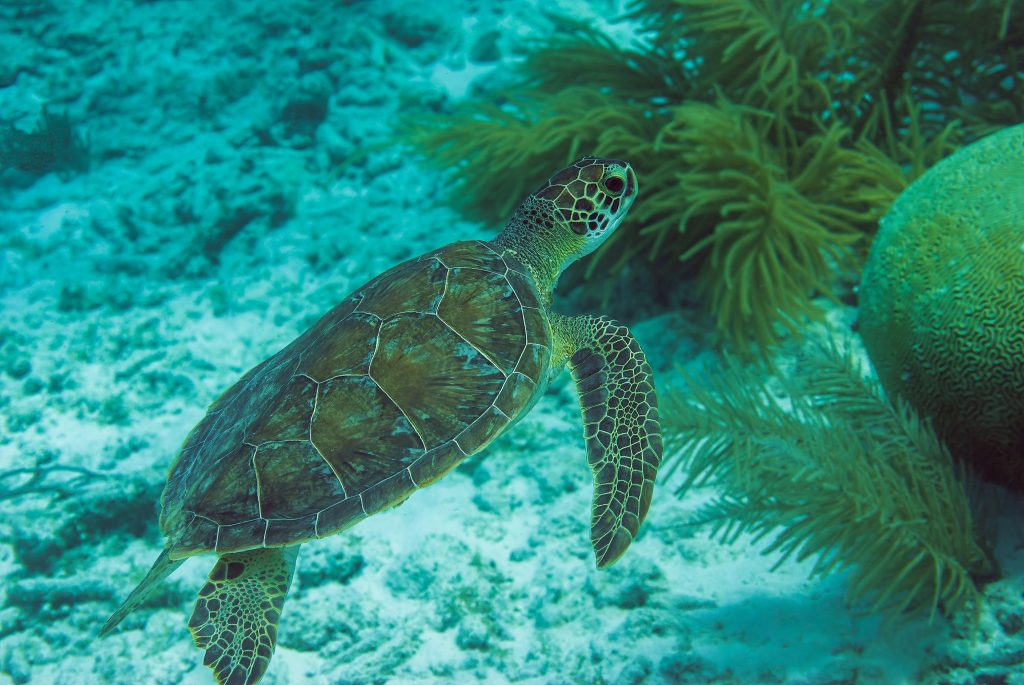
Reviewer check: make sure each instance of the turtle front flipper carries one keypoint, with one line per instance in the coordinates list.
(620, 426)
(237, 612)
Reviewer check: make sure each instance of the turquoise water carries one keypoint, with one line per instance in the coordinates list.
(222, 174)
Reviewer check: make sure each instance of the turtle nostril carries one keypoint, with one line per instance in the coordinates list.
(630, 181)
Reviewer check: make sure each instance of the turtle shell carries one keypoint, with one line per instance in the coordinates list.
(419, 368)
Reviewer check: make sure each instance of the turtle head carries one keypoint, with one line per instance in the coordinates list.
(586, 201)
(570, 215)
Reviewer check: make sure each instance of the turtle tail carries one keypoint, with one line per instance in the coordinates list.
(237, 612)
(162, 567)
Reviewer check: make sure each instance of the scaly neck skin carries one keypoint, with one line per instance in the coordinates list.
(538, 249)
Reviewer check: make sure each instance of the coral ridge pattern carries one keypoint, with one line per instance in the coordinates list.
(942, 302)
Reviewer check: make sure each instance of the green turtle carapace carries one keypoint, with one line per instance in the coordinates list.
(413, 372)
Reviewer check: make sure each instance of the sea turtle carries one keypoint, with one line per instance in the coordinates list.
(417, 369)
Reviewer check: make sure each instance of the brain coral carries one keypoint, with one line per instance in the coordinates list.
(942, 302)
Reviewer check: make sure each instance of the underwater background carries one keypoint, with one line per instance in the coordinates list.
(186, 186)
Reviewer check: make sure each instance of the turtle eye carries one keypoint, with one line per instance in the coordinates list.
(614, 184)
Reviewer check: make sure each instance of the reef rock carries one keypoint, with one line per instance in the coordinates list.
(942, 302)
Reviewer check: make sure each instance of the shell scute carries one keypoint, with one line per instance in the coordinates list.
(339, 516)
(290, 531)
(537, 327)
(440, 381)
(241, 536)
(523, 289)
(482, 307)
(228, 490)
(436, 463)
(515, 394)
(481, 432)
(197, 535)
(388, 493)
(290, 421)
(417, 288)
(361, 433)
(534, 362)
(471, 254)
(294, 480)
(346, 349)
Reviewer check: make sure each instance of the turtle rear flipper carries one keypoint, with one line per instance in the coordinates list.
(236, 615)
(162, 567)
